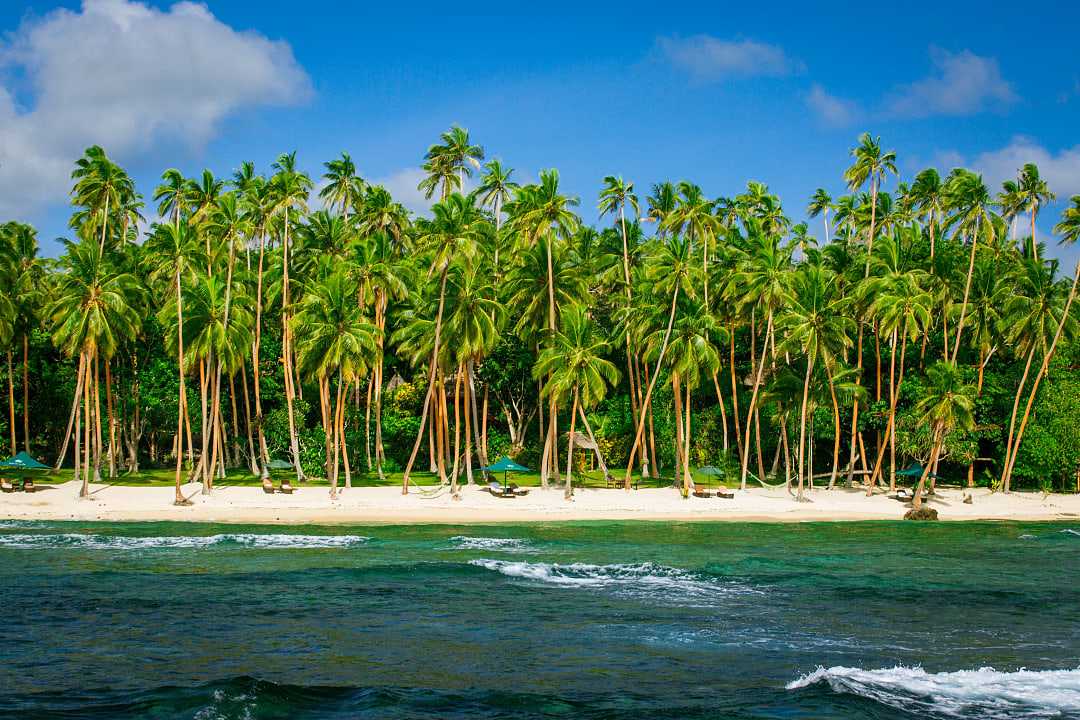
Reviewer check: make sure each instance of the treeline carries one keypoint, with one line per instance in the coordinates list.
(259, 320)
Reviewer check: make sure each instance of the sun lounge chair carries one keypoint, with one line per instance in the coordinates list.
(725, 494)
(702, 492)
(286, 487)
(268, 487)
(6, 486)
(28, 485)
(904, 495)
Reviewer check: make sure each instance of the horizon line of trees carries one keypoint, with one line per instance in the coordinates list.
(246, 324)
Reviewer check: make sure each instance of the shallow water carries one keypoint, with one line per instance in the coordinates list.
(583, 620)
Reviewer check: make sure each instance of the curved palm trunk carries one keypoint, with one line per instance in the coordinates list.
(836, 428)
(431, 384)
(1038, 379)
(178, 498)
(551, 443)
(264, 454)
(1012, 418)
(11, 402)
(967, 288)
(802, 429)
(917, 501)
(287, 354)
(26, 393)
(688, 480)
(649, 392)
(568, 492)
(750, 413)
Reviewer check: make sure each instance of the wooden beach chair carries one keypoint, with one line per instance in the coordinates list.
(286, 487)
(28, 485)
(268, 486)
(6, 486)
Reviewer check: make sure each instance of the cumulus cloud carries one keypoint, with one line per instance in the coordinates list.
(1061, 169)
(125, 75)
(831, 110)
(962, 83)
(709, 58)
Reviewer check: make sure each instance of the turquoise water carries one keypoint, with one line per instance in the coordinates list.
(590, 620)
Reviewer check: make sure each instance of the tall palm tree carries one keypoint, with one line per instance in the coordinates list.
(449, 163)
(496, 189)
(93, 312)
(334, 337)
(968, 198)
(814, 325)
(693, 217)
(172, 254)
(927, 197)
(100, 184)
(289, 190)
(574, 365)
(344, 188)
(947, 405)
(1034, 194)
(820, 204)
(872, 165)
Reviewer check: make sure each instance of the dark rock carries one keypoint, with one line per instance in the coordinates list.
(923, 513)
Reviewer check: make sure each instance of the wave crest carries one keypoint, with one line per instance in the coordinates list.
(644, 580)
(126, 542)
(466, 542)
(983, 693)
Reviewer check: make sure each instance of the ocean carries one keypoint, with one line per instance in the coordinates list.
(552, 620)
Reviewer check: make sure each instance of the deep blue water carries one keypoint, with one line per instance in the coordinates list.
(584, 620)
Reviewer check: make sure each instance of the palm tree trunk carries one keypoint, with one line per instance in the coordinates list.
(338, 414)
(568, 492)
(688, 481)
(457, 431)
(431, 383)
(286, 351)
(967, 287)
(723, 412)
(750, 415)
(1012, 418)
(252, 462)
(264, 454)
(367, 419)
(802, 427)
(855, 410)
(111, 420)
(88, 416)
(1038, 379)
(677, 441)
(469, 411)
(553, 424)
(652, 385)
(734, 390)
(836, 428)
(917, 501)
(11, 402)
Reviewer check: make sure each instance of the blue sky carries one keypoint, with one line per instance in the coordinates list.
(775, 92)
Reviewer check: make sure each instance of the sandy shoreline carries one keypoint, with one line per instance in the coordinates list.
(236, 504)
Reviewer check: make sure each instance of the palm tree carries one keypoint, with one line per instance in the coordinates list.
(496, 189)
(172, 253)
(452, 231)
(448, 164)
(344, 188)
(821, 204)
(693, 217)
(1034, 193)
(289, 190)
(661, 204)
(947, 405)
(93, 312)
(813, 325)
(927, 197)
(575, 366)
(100, 185)
(968, 198)
(670, 272)
(871, 165)
(334, 337)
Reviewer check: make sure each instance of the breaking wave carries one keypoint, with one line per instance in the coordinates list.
(465, 542)
(647, 580)
(982, 693)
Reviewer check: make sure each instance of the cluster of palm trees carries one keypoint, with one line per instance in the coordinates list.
(726, 297)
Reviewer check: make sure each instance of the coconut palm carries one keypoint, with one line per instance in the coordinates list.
(969, 200)
(496, 189)
(334, 338)
(574, 366)
(449, 163)
(1034, 194)
(927, 197)
(946, 405)
(821, 204)
(94, 310)
(344, 188)
(872, 165)
(100, 185)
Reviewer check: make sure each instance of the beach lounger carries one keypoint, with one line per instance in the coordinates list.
(6, 486)
(286, 487)
(725, 494)
(904, 495)
(28, 485)
(702, 492)
(268, 487)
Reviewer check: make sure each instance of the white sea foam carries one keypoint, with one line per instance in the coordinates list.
(1070, 531)
(983, 693)
(644, 580)
(465, 542)
(123, 542)
(1027, 536)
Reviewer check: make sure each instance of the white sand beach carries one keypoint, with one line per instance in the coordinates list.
(246, 504)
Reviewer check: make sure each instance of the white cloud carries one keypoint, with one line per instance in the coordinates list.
(1061, 170)
(708, 58)
(124, 75)
(963, 83)
(831, 110)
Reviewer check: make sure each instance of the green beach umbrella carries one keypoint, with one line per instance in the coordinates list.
(505, 465)
(23, 461)
(279, 465)
(710, 470)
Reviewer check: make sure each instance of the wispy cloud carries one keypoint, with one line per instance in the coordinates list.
(961, 83)
(710, 59)
(830, 109)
